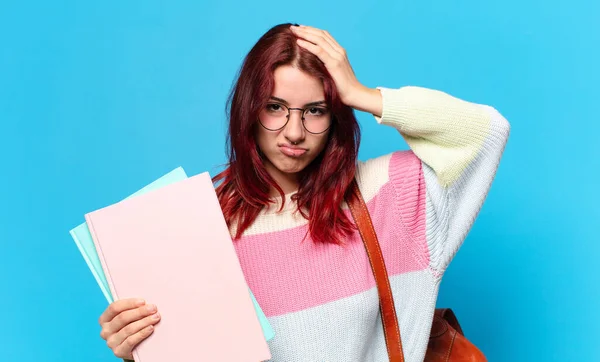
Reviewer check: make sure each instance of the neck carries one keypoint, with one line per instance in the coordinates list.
(287, 181)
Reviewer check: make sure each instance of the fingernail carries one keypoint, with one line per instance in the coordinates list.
(156, 316)
(139, 302)
(150, 308)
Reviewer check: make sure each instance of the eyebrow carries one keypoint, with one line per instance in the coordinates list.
(306, 105)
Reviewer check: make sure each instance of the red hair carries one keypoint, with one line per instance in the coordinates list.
(324, 183)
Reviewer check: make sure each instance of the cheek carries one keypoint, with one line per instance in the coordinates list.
(321, 142)
(262, 141)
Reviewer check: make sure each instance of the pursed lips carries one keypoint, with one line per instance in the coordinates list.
(292, 151)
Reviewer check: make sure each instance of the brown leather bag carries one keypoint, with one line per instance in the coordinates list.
(446, 341)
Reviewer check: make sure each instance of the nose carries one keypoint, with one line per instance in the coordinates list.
(294, 129)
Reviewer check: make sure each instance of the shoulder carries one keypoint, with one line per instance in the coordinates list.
(399, 169)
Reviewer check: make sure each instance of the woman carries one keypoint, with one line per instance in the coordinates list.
(293, 142)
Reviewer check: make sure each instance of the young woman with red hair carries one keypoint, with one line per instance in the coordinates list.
(293, 142)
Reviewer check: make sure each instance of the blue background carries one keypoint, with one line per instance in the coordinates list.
(98, 100)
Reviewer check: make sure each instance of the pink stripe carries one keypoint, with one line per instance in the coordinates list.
(287, 275)
(406, 176)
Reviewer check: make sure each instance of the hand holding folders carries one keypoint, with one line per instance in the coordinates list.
(171, 246)
(126, 323)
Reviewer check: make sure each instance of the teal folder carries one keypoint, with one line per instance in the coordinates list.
(83, 239)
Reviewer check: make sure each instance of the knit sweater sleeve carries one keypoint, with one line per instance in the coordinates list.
(459, 145)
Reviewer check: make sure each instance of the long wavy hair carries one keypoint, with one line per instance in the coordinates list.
(243, 188)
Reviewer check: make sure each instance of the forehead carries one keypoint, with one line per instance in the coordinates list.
(296, 86)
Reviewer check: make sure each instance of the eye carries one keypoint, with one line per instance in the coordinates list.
(316, 111)
(275, 108)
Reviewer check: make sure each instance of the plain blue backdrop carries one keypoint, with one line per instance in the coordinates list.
(98, 99)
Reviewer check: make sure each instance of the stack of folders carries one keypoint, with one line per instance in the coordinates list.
(169, 244)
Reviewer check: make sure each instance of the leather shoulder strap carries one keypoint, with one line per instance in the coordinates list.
(391, 330)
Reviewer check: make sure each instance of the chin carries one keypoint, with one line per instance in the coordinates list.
(291, 166)
(291, 170)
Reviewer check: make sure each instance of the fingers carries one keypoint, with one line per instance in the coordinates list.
(322, 44)
(319, 40)
(125, 349)
(123, 342)
(316, 50)
(325, 35)
(119, 306)
(125, 318)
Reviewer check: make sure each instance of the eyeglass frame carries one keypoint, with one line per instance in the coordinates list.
(289, 113)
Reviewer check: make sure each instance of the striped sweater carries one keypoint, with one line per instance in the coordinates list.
(322, 299)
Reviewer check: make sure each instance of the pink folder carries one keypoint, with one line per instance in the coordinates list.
(172, 247)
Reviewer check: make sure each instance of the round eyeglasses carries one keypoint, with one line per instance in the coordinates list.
(315, 119)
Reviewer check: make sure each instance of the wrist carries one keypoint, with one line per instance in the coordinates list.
(367, 100)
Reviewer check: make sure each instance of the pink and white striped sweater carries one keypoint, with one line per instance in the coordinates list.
(321, 299)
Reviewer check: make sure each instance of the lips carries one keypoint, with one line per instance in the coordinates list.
(292, 151)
